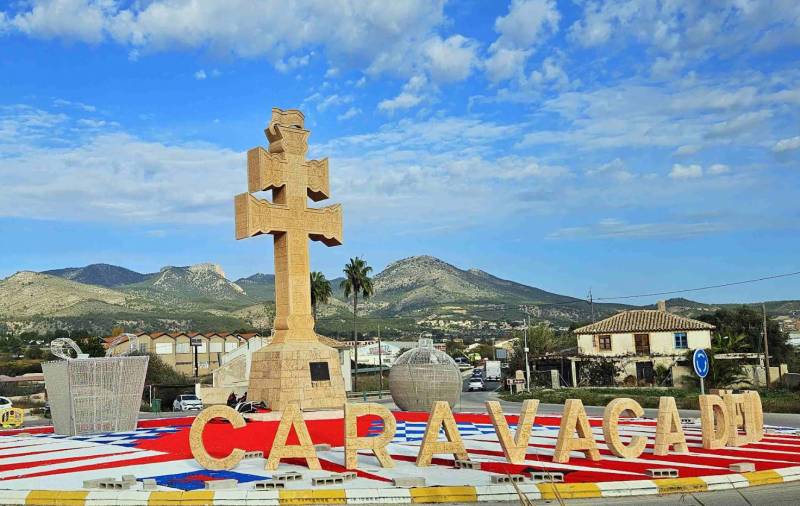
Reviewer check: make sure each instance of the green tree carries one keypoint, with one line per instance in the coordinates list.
(356, 282)
(454, 349)
(748, 322)
(723, 373)
(321, 291)
(33, 351)
(89, 344)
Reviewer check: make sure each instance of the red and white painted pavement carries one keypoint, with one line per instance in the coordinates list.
(159, 449)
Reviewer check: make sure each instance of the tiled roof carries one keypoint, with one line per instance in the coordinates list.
(643, 320)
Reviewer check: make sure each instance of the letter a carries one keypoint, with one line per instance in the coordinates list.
(668, 428)
(574, 420)
(611, 428)
(292, 417)
(440, 415)
(713, 421)
(516, 448)
(353, 443)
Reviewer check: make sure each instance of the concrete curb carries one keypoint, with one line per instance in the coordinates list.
(463, 494)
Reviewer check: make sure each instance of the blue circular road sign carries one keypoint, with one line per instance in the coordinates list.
(700, 363)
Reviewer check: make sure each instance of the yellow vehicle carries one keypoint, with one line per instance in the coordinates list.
(11, 418)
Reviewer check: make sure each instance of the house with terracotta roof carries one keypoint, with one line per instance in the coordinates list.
(641, 339)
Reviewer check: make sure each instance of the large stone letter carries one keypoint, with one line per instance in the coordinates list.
(735, 404)
(353, 443)
(440, 415)
(713, 421)
(757, 419)
(292, 417)
(668, 428)
(574, 419)
(611, 433)
(516, 448)
(196, 438)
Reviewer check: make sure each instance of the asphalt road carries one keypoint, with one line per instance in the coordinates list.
(774, 495)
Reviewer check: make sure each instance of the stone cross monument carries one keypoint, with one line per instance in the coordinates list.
(295, 367)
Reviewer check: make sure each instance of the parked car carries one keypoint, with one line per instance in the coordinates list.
(477, 373)
(5, 403)
(187, 402)
(475, 384)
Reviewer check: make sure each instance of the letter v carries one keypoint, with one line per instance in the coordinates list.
(515, 449)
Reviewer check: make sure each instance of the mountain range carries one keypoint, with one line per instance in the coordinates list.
(415, 292)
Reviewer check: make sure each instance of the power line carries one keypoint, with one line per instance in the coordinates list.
(723, 285)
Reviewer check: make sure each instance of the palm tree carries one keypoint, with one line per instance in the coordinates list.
(356, 282)
(320, 291)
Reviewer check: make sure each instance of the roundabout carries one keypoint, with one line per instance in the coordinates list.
(153, 464)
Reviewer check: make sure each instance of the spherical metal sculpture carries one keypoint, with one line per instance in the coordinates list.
(422, 376)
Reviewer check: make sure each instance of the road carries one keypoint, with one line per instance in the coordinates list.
(775, 495)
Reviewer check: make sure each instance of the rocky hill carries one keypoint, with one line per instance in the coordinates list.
(29, 294)
(412, 293)
(424, 281)
(100, 275)
(258, 286)
(196, 282)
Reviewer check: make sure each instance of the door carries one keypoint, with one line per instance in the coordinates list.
(644, 371)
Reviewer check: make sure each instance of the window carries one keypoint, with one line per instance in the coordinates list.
(163, 348)
(642, 343)
(182, 347)
(230, 346)
(604, 342)
(681, 342)
(216, 347)
(203, 348)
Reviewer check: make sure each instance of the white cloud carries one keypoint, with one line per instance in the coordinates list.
(294, 62)
(505, 63)
(200, 75)
(677, 32)
(718, 168)
(527, 23)
(372, 35)
(611, 228)
(687, 150)
(67, 173)
(789, 144)
(411, 95)
(451, 59)
(334, 100)
(686, 171)
(348, 114)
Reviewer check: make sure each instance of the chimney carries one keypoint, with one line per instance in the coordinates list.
(662, 306)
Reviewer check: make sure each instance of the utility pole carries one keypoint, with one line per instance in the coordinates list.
(766, 344)
(525, 349)
(380, 363)
(591, 303)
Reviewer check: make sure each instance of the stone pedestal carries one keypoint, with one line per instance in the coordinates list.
(307, 373)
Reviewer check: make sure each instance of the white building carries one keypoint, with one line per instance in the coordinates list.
(642, 339)
(371, 353)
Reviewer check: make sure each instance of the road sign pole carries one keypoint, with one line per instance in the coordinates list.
(702, 386)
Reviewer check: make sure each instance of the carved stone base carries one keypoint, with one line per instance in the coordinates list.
(281, 373)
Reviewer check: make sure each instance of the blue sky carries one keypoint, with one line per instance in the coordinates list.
(624, 146)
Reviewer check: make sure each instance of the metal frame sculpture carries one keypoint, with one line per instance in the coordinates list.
(93, 395)
(423, 375)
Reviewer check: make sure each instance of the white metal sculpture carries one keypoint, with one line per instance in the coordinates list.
(93, 395)
(62, 346)
(423, 375)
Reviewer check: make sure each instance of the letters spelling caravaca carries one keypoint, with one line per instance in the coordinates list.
(721, 416)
